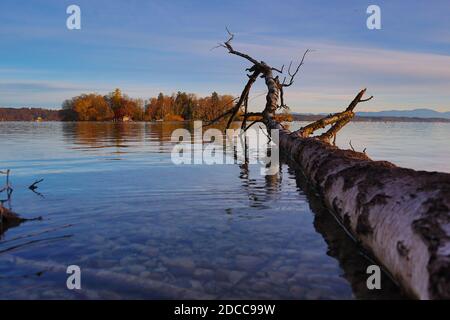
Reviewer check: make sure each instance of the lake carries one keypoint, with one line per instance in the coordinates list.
(141, 227)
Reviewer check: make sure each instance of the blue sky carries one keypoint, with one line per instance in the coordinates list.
(145, 47)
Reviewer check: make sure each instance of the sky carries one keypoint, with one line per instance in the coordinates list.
(145, 47)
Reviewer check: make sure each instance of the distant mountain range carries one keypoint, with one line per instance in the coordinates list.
(416, 113)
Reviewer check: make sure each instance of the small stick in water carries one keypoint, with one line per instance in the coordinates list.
(34, 186)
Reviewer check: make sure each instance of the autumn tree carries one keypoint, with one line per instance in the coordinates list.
(88, 107)
(115, 100)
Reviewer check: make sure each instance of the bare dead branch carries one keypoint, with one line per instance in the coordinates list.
(357, 100)
(279, 70)
(322, 123)
(219, 117)
(292, 75)
(255, 70)
(282, 104)
(254, 114)
(364, 100)
(227, 44)
(8, 188)
(333, 118)
(345, 117)
(244, 95)
(334, 129)
(253, 123)
(351, 146)
(223, 114)
(244, 120)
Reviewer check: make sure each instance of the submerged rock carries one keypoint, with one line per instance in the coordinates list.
(184, 265)
(204, 274)
(248, 262)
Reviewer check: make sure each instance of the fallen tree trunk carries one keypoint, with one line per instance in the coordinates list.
(400, 215)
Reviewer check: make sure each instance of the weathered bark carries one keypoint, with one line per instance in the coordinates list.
(401, 216)
(351, 256)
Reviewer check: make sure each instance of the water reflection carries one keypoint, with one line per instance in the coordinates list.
(85, 135)
(258, 194)
(118, 138)
(120, 135)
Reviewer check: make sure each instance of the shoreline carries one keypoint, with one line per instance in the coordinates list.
(296, 119)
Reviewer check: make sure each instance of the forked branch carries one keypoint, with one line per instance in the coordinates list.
(333, 118)
(293, 74)
(227, 45)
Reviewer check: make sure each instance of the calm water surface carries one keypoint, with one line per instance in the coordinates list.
(113, 203)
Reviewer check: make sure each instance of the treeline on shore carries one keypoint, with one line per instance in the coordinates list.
(120, 107)
(29, 114)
